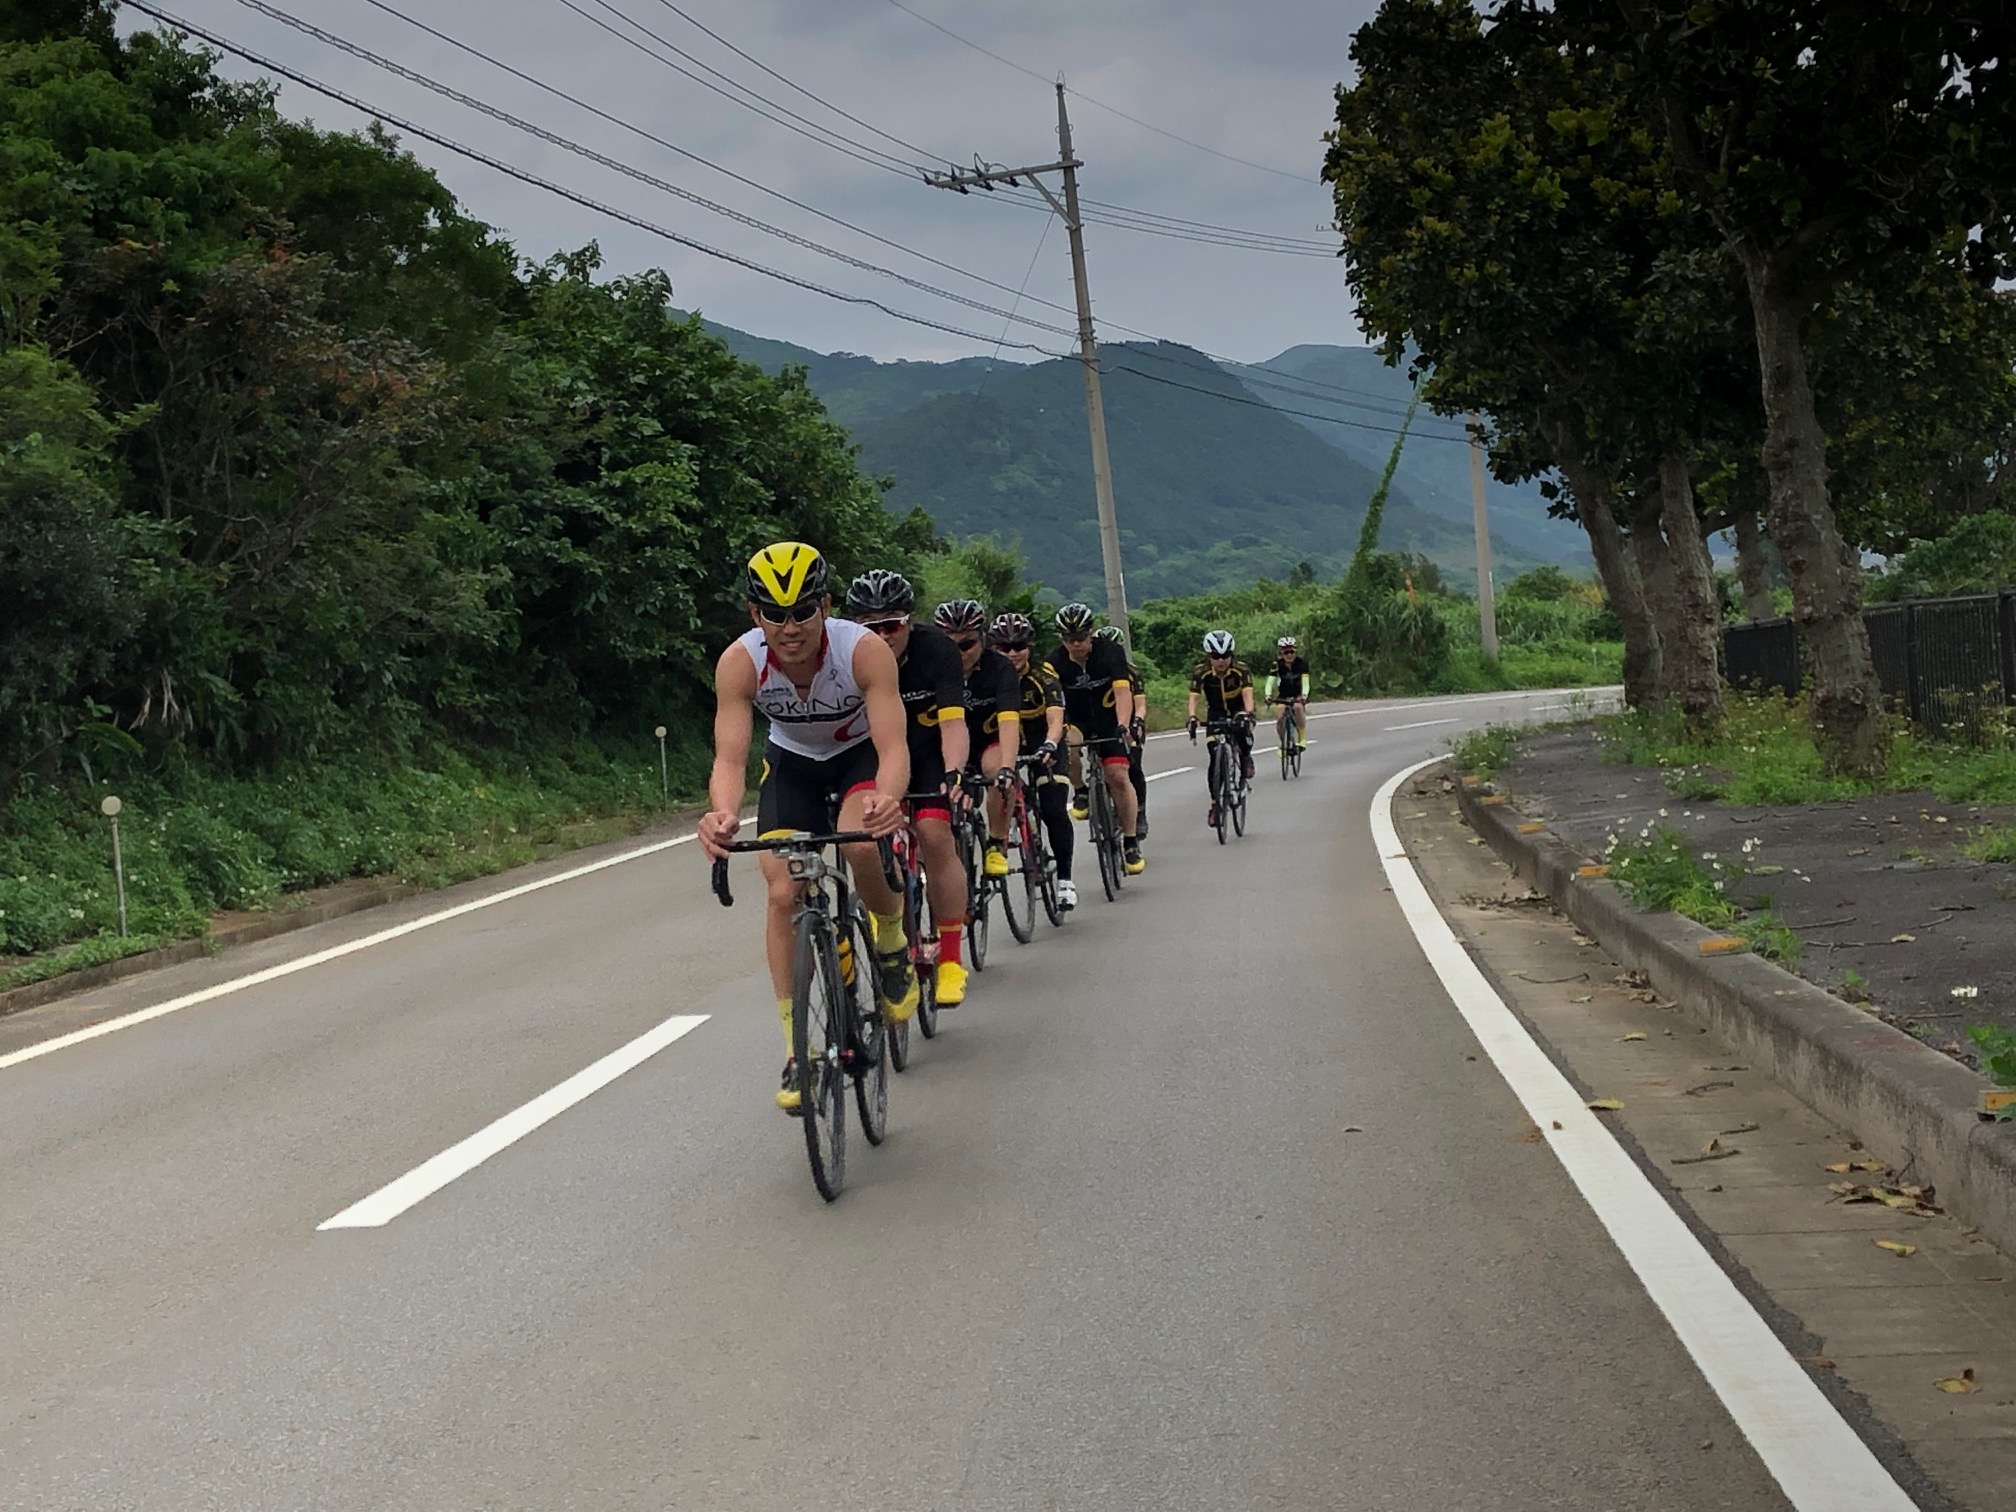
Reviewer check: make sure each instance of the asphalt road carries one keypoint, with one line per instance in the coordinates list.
(1206, 1201)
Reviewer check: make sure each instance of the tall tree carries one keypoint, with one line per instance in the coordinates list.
(1827, 140)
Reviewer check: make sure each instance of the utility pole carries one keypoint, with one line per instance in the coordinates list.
(983, 177)
(1487, 600)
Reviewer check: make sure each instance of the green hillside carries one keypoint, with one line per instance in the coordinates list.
(1210, 493)
(1435, 474)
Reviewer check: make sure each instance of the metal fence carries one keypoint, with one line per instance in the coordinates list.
(1942, 662)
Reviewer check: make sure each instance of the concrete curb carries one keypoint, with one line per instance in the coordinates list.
(1912, 1106)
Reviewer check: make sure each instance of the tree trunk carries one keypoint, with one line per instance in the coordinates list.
(1753, 567)
(1692, 639)
(1655, 580)
(1644, 685)
(1847, 701)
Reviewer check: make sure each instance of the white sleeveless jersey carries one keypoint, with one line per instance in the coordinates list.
(831, 716)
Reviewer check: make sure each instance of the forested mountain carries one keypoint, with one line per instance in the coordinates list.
(1213, 489)
(1435, 474)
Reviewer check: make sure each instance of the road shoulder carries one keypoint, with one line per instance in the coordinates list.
(1745, 1163)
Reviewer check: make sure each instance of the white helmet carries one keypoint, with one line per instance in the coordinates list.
(1218, 643)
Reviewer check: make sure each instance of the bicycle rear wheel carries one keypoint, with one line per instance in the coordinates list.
(1102, 832)
(819, 1027)
(1284, 742)
(870, 1040)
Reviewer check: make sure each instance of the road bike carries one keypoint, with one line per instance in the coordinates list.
(1288, 741)
(1021, 889)
(1103, 818)
(839, 1025)
(969, 834)
(1227, 779)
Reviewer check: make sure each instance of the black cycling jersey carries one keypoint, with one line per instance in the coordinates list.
(933, 684)
(992, 686)
(1041, 692)
(1088, 689)
(1291, 677)
(1221, 690)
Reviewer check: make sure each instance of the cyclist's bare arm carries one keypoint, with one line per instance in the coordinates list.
(875, 671)
(734, 723)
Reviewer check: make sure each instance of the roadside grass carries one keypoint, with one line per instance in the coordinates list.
(1993, 844)
(195, 844)
(1765, 754)
(1658, 871)
(1485, 751)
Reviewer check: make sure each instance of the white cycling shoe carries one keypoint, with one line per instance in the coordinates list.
(1067, 894)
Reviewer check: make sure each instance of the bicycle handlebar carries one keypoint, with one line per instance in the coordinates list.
(883, 849)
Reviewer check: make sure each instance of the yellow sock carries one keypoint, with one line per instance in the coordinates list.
(889, 933)
(784, 1013)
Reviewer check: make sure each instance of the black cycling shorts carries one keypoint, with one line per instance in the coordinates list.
(799, 793)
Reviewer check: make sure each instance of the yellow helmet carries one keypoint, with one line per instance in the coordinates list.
(787, 573)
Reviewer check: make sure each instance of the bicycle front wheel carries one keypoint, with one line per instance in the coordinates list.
(1284, 739)
(1221, 791)
(1105, 837)
(1018, 888)
(924, 956)
(819, 1030)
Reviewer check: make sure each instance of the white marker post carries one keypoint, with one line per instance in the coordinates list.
(664, 783)
(110, 809)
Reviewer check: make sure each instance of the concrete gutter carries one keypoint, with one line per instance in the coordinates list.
(1910, 1105)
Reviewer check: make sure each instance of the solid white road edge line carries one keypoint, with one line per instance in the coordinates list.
(333, 953)
(1818, 1460)
(1172, 772)
(1420, 724)
(427, 1178)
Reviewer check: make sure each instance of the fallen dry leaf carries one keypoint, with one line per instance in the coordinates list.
(1607, 1105)
(1903, 939)
(1963, 1384)
(1901, 1251)
(1557, 1123)
(1819, 1362)
(1715, 1150)
(1743, 1128)
(1633, 1035)
(1584, 998)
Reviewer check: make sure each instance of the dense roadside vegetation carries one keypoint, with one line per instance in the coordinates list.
(336, 537)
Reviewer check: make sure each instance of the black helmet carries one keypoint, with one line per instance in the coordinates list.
(960, 614)
(785, 574)
(1011, 632)
(1074, 620)
(880, 592)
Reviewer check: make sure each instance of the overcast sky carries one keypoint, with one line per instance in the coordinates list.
(1252, 81)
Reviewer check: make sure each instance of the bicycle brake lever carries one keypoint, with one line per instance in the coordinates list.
(721, 882)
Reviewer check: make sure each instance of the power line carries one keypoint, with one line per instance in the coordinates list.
(674, 147)
(793, 84)
(365, 107)
(1089, 100)
(1282, 409)
(618, 166)
(811, 130)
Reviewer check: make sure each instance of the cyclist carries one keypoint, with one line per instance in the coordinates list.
(828, 691)
(1098, 706)
(934, 698)
(993, 715)
(1137, 731)
(1289, 683)
(1042, 698)
(1227, 688)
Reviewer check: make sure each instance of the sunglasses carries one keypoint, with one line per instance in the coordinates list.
(884, 627)
(1011, 645)
(965, 642)
(1221, 656)
(798, 614)
(1077, 640)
